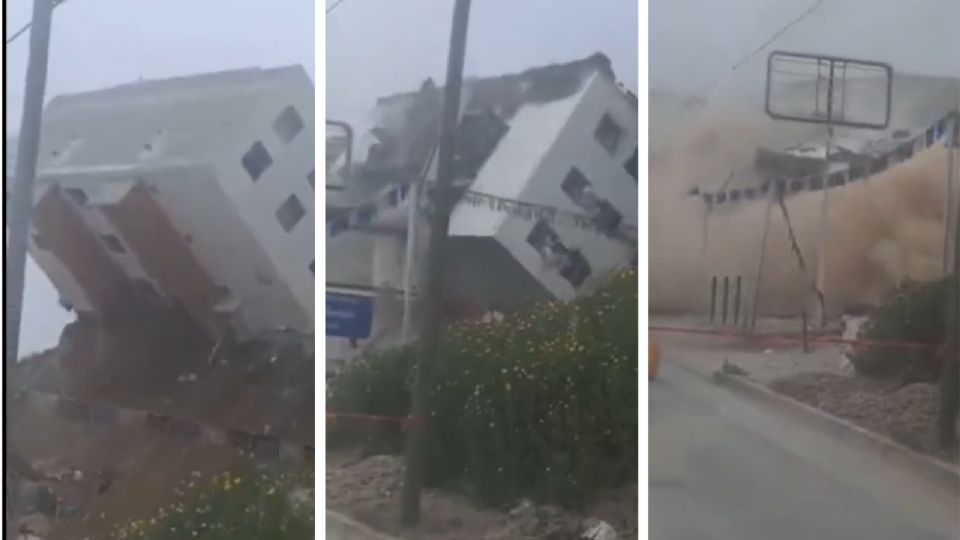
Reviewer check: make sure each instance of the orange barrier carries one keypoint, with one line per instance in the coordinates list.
(786, 340)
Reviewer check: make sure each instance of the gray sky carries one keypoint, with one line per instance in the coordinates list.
(693, 42)
(377, 47)
(100, 43)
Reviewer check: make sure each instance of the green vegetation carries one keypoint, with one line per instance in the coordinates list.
(247, 506)
(542, 404)
(914, 313)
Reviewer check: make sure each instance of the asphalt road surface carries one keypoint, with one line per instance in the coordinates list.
(723, 468)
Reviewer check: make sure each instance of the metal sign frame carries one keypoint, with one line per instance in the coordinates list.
(832, 61)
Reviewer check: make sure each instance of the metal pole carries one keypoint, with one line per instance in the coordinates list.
(713, 297)
(433, 284)
(949, 406)
(736, 302)
(949, 215)
(21, 204)
(408, 261)
(758, 278)
(821, 313)
(726, 297)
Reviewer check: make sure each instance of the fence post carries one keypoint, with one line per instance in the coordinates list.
(803, 333)
(713, 297)
(726, 297)
(736, 303)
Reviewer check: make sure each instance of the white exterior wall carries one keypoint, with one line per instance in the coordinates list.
(227, 249)
(534, 157)
(290, 253)
(514, 165)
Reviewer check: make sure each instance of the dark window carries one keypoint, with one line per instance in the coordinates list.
(256, 160)
(288, 124)
(577, 269)
(575, 184)
(569, 262)
(312, 270)
(310, 179)
(39, 242)
(631, 165)
(290, 213)
(113, 243)
(541, 237)
(77, 195)
(580, 191)
(608, 134)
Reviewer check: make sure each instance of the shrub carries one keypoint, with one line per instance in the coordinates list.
(238, 506)
(915, 313)
(540, 404)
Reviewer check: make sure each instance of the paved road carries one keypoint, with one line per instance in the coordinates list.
(722, 468)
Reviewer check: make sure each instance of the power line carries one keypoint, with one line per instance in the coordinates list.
(334, 6)
(27, 26)
(737, 65)
(796, 20)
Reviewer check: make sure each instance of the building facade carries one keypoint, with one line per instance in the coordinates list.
(546, 177)
(194, 193)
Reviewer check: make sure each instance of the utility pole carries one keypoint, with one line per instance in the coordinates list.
(433, 284)
(950, 369)
(21, 204)
(820, 289)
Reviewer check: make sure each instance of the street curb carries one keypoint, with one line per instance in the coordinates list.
(935, 471)
(340, 527)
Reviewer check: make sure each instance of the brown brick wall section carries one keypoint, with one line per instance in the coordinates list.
(165, 254)
(65, 233)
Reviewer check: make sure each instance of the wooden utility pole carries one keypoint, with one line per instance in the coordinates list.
(21, 204)
(440, 208)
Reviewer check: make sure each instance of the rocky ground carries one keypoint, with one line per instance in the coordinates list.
(127, 471)
(904, 414)
(368, 489)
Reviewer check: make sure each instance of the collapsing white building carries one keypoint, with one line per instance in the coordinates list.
(194, 193)
(546, 174)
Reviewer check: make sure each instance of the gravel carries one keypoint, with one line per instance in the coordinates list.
(905, 414)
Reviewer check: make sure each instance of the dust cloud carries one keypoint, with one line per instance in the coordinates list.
(880, 231)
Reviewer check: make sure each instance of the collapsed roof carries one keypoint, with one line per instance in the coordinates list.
(408, 124)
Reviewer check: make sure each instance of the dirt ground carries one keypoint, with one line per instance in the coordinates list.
(368, 490)
(128, 471)
(905, 415)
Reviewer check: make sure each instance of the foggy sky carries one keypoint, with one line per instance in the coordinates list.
(693, 42)
(379, 47)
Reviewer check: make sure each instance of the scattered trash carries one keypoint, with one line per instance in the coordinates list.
(732, 369)
(600, 531)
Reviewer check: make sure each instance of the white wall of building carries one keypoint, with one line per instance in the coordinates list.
(291, 253)
(545, 142)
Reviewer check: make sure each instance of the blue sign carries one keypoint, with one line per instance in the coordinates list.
(349, 316)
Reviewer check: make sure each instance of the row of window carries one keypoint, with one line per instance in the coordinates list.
(286, 126)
